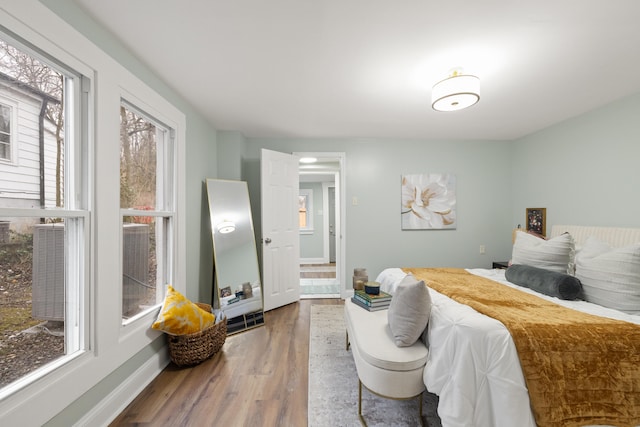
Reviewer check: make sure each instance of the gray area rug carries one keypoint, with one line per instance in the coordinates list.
(333, 382)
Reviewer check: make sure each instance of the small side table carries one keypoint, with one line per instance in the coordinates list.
(501, 264)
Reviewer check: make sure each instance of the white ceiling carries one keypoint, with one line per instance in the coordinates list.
(365, 68)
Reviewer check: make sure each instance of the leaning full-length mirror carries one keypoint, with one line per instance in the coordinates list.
(237, 286)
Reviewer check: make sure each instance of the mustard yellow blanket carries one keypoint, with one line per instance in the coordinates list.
(580, 369)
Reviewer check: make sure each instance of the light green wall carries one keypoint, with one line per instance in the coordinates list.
(585, 170)
(230, 154)
(373, 170)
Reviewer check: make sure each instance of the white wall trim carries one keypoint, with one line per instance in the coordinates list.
(341, 220)
(325, 217)
(111, 345)
(115, 402)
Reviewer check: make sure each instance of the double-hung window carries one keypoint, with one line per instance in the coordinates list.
(44, 214)
(147, 209)
(7, 120)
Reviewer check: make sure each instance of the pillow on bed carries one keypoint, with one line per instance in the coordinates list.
(409, 311)
(546, 282)
(556, 254)
(610, 277)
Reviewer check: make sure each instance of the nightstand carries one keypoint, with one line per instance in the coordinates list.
(500, 264)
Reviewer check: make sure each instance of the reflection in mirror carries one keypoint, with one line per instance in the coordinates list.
(237, 286)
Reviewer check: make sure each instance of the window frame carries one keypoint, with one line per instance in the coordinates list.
(76, 211)
(165, 209)
(115, 349)
(307, 193)
(13, 140)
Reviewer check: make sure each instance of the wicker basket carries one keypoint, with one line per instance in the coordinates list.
(192, 349)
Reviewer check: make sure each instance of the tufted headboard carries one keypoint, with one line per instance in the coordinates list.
(614, 236)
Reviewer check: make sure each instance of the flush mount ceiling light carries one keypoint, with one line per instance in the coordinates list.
(456, 92)
(308, 160)
(226, 227)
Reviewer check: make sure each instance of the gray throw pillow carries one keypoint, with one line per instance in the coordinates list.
(547, 282)
(409, 311)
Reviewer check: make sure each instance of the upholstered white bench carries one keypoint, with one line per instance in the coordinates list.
(383, 368)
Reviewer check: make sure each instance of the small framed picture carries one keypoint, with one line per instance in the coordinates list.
(225, 292)
(537, 220)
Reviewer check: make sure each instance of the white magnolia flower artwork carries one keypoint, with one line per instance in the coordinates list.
(429, 201)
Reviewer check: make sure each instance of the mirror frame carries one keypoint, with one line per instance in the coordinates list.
(231, 219)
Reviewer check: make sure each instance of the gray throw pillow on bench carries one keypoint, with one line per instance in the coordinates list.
(409, 311)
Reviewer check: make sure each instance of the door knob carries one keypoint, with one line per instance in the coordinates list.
(267, 240)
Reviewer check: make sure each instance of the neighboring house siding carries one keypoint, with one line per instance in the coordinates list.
(20, 176)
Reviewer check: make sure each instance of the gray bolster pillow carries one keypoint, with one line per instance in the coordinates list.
(547, 282)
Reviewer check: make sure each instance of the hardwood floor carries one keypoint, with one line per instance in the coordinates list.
(259, 378)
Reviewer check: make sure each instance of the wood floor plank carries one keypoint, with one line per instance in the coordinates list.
(260, 377)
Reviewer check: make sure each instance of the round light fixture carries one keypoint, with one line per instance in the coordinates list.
(308, 160)
(456, 92)
(226, 227)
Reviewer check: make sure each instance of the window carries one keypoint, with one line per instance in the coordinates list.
(147, 209)
(305, 211)
(43, 231)
(6, 118)
(81, 196)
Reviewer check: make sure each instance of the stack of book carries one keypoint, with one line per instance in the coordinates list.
(371, 302)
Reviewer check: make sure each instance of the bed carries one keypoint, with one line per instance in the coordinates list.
(244, 306)
(481, 379)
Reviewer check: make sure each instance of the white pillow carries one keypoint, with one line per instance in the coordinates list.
(556, 254)
(610, 277)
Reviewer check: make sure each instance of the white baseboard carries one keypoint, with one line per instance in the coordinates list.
(115, 402)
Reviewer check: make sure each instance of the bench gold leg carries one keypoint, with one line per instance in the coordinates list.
(362, 421)
(423, 423)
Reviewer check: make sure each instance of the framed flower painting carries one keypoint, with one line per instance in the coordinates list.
(537, 220)
(428, 201)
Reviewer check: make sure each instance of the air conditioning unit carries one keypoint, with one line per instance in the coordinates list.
(47, 299)
(135, 267)
(4, 231)
(48, 269)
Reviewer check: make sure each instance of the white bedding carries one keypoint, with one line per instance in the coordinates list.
(473, 365)
(243, 306)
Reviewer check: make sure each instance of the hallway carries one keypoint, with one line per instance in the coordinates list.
(319, 281)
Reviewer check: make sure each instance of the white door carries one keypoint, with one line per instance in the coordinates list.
(280, 229)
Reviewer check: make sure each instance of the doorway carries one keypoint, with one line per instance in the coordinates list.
(321, 234)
